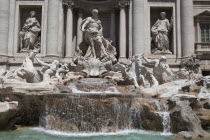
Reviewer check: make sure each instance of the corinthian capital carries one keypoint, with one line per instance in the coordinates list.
(123, 4)
(69, 4)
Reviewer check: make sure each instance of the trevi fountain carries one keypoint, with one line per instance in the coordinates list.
(95, 96)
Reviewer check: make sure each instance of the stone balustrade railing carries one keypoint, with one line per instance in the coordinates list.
(202, 48)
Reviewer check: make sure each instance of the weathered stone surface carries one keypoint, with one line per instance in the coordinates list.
(185, 122)
(204, 115)
(145, 116)
(205, 103)
(7, 111)
(166, 90)
(21, 87)
(29, 108)
(2, 72)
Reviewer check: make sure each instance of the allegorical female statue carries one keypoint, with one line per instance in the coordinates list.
(30, 33)
(160, 31)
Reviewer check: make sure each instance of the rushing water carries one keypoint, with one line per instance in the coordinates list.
(41, 134)
(164, 114)
(165, 121)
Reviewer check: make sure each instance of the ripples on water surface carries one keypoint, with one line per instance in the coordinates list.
(41, 134)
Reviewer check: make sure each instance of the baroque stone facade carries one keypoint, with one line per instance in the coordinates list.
(127, 23)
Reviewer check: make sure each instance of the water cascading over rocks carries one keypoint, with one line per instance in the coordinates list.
(165, 116)
(99, 113)
(86, 113)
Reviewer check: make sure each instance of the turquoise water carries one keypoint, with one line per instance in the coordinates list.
(41, 134)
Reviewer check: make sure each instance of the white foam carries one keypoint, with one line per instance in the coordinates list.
(165, 121)
(83, 134)
(111, 90)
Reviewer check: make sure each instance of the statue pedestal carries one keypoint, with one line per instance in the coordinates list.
(167, 52)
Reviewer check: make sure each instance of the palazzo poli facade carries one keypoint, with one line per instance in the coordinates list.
(56, 33)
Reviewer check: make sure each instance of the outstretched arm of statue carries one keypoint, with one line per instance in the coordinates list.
(148, 60)
(84, 25)
(42, 63)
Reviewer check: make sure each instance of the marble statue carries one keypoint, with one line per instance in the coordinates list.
(30, 34)
(192, 64)
(205, 90)
(95, 68)
(190, 67)
(94, 44)
(95, 55)
(63, 69)
(135, 73)
(160, 31)
(93, 31)
(159, 68)
(27, 70)
(49, 70)
(139, 74)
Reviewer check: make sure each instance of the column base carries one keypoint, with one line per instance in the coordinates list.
(3, 59)
(68, 59)
(50, 58)
(123, 59)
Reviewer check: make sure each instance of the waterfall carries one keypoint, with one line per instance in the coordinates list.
(102, 113)
(86, 113)
(165, 121)
(162, 111)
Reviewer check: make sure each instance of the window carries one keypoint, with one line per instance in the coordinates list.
(161, 0)
(96, 0)
(205, 32)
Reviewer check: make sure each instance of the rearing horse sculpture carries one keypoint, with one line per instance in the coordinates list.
(138, 74)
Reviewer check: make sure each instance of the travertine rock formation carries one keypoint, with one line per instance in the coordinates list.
(7, 111)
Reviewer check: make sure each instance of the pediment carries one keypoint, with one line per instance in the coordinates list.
(205, 13)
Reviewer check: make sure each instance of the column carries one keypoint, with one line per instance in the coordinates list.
(79, 32)
(130, 29)
(69, 32)
(4, 26)
(138, 27)
(187, 26)
(113, 27)
(61, 31)
(52, 28)
(122, 32)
